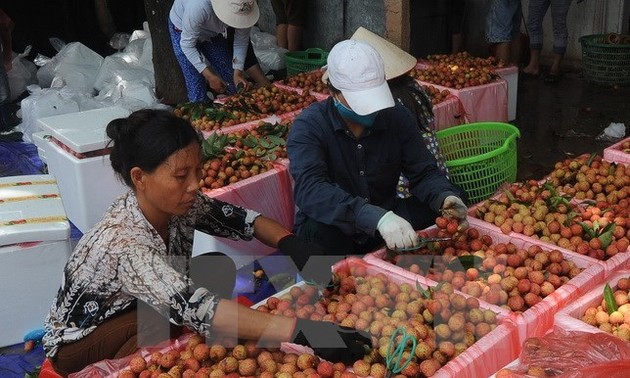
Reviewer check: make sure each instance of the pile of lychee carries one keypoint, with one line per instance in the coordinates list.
(595, 223)
(516, 278)
(444, 322)
(615, 322)
(200, 360)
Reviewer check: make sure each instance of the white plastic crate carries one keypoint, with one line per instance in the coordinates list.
(34, 247)
(88, 186)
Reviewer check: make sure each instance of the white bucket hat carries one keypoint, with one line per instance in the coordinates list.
(239, 14)
(356, 69)
(397, 61)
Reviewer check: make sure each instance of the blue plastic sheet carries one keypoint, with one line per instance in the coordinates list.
(19, 158)
(15, 362)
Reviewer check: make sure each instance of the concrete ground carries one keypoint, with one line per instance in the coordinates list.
(562, 120)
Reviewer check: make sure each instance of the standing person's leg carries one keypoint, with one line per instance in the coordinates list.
(196, 84)
(559, 10)
(296, 18)
(281, 23)
(536, 14)
(499, 27)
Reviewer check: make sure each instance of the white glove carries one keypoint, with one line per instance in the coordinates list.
(453, 207)
(397, 232)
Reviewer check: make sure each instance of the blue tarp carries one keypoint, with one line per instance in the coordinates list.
(19, 158)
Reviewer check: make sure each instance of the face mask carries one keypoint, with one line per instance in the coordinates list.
(347, 113)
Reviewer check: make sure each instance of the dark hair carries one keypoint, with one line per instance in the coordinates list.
(332, 88)
(146, 139)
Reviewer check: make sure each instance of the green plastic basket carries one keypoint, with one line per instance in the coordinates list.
(604, 63)
(480, 156)
(303, 61)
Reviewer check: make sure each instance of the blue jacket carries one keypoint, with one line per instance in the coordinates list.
(351, 182)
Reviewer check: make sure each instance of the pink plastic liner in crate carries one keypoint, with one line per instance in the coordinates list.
(111, 368)
(274, 118)
(570, 317)
(481, 359)
(620, 261)
(536, 320)
(614, 154)
(317, 95)
(486, 102)
(269, 193)
(448, 113)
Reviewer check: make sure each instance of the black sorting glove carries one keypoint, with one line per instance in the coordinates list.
(313, 261)
(331, 341)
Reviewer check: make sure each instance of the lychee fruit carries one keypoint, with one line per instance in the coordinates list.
(325, 369)
(201, 352)
(361, 368)
(247, 367)
(137, 364)
(306, 361)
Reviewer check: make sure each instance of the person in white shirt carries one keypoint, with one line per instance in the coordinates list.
(199, 34)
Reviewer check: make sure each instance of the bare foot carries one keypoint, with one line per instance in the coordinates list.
(531, 71)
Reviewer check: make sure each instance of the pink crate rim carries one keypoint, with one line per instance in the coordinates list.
(613, 153)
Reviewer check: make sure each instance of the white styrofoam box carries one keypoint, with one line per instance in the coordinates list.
(88, 186)
(34, 247)
(40, 140)
(510, 74)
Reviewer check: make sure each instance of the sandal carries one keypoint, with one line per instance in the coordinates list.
(552, 78)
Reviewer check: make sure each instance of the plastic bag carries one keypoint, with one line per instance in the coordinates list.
(269, 54)
(44, 103)
(75, 65)
(613, 132)
(574, 355)
(22, 74)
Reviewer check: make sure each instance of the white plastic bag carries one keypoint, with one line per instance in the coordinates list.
(75, 65)
(269, 54)
(613, 132)
(43, 103)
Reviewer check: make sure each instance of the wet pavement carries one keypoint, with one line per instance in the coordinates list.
(562, 120)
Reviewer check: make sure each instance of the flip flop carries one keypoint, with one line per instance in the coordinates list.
(552, 78)
(527, 75)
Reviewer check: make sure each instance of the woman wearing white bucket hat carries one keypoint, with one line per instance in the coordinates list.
(199, 29)
(346, 157)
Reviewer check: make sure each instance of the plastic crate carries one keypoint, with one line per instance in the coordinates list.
(570, 318)
(480, 156)
(537, 320)
(307, 60)
(615, 154)
(605, 63)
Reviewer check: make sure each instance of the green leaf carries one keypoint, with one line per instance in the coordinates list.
(250, 141)
(239, 154)
(463, 263)
(264, 143)
(606, 238)
(591, 158)
(272, 157)
(276, 140)
(425, 292)
(609, 298)
(589, 231)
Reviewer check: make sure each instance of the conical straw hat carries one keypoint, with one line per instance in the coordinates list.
(397, 61)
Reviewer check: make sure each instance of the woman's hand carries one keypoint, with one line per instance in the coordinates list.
(214, 81)
(239, 80)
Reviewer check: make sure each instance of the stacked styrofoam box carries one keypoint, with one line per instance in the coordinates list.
(614, 154)
(88, 186)
(537, 320)
(34, 247)
(510, 74)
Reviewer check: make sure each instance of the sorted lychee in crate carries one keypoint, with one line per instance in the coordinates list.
(513, 274)
(539, 210)
(196, 359)
(612, 314)
(443, 322)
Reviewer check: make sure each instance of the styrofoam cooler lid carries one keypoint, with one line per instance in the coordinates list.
(31, 210)
(83, 131)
